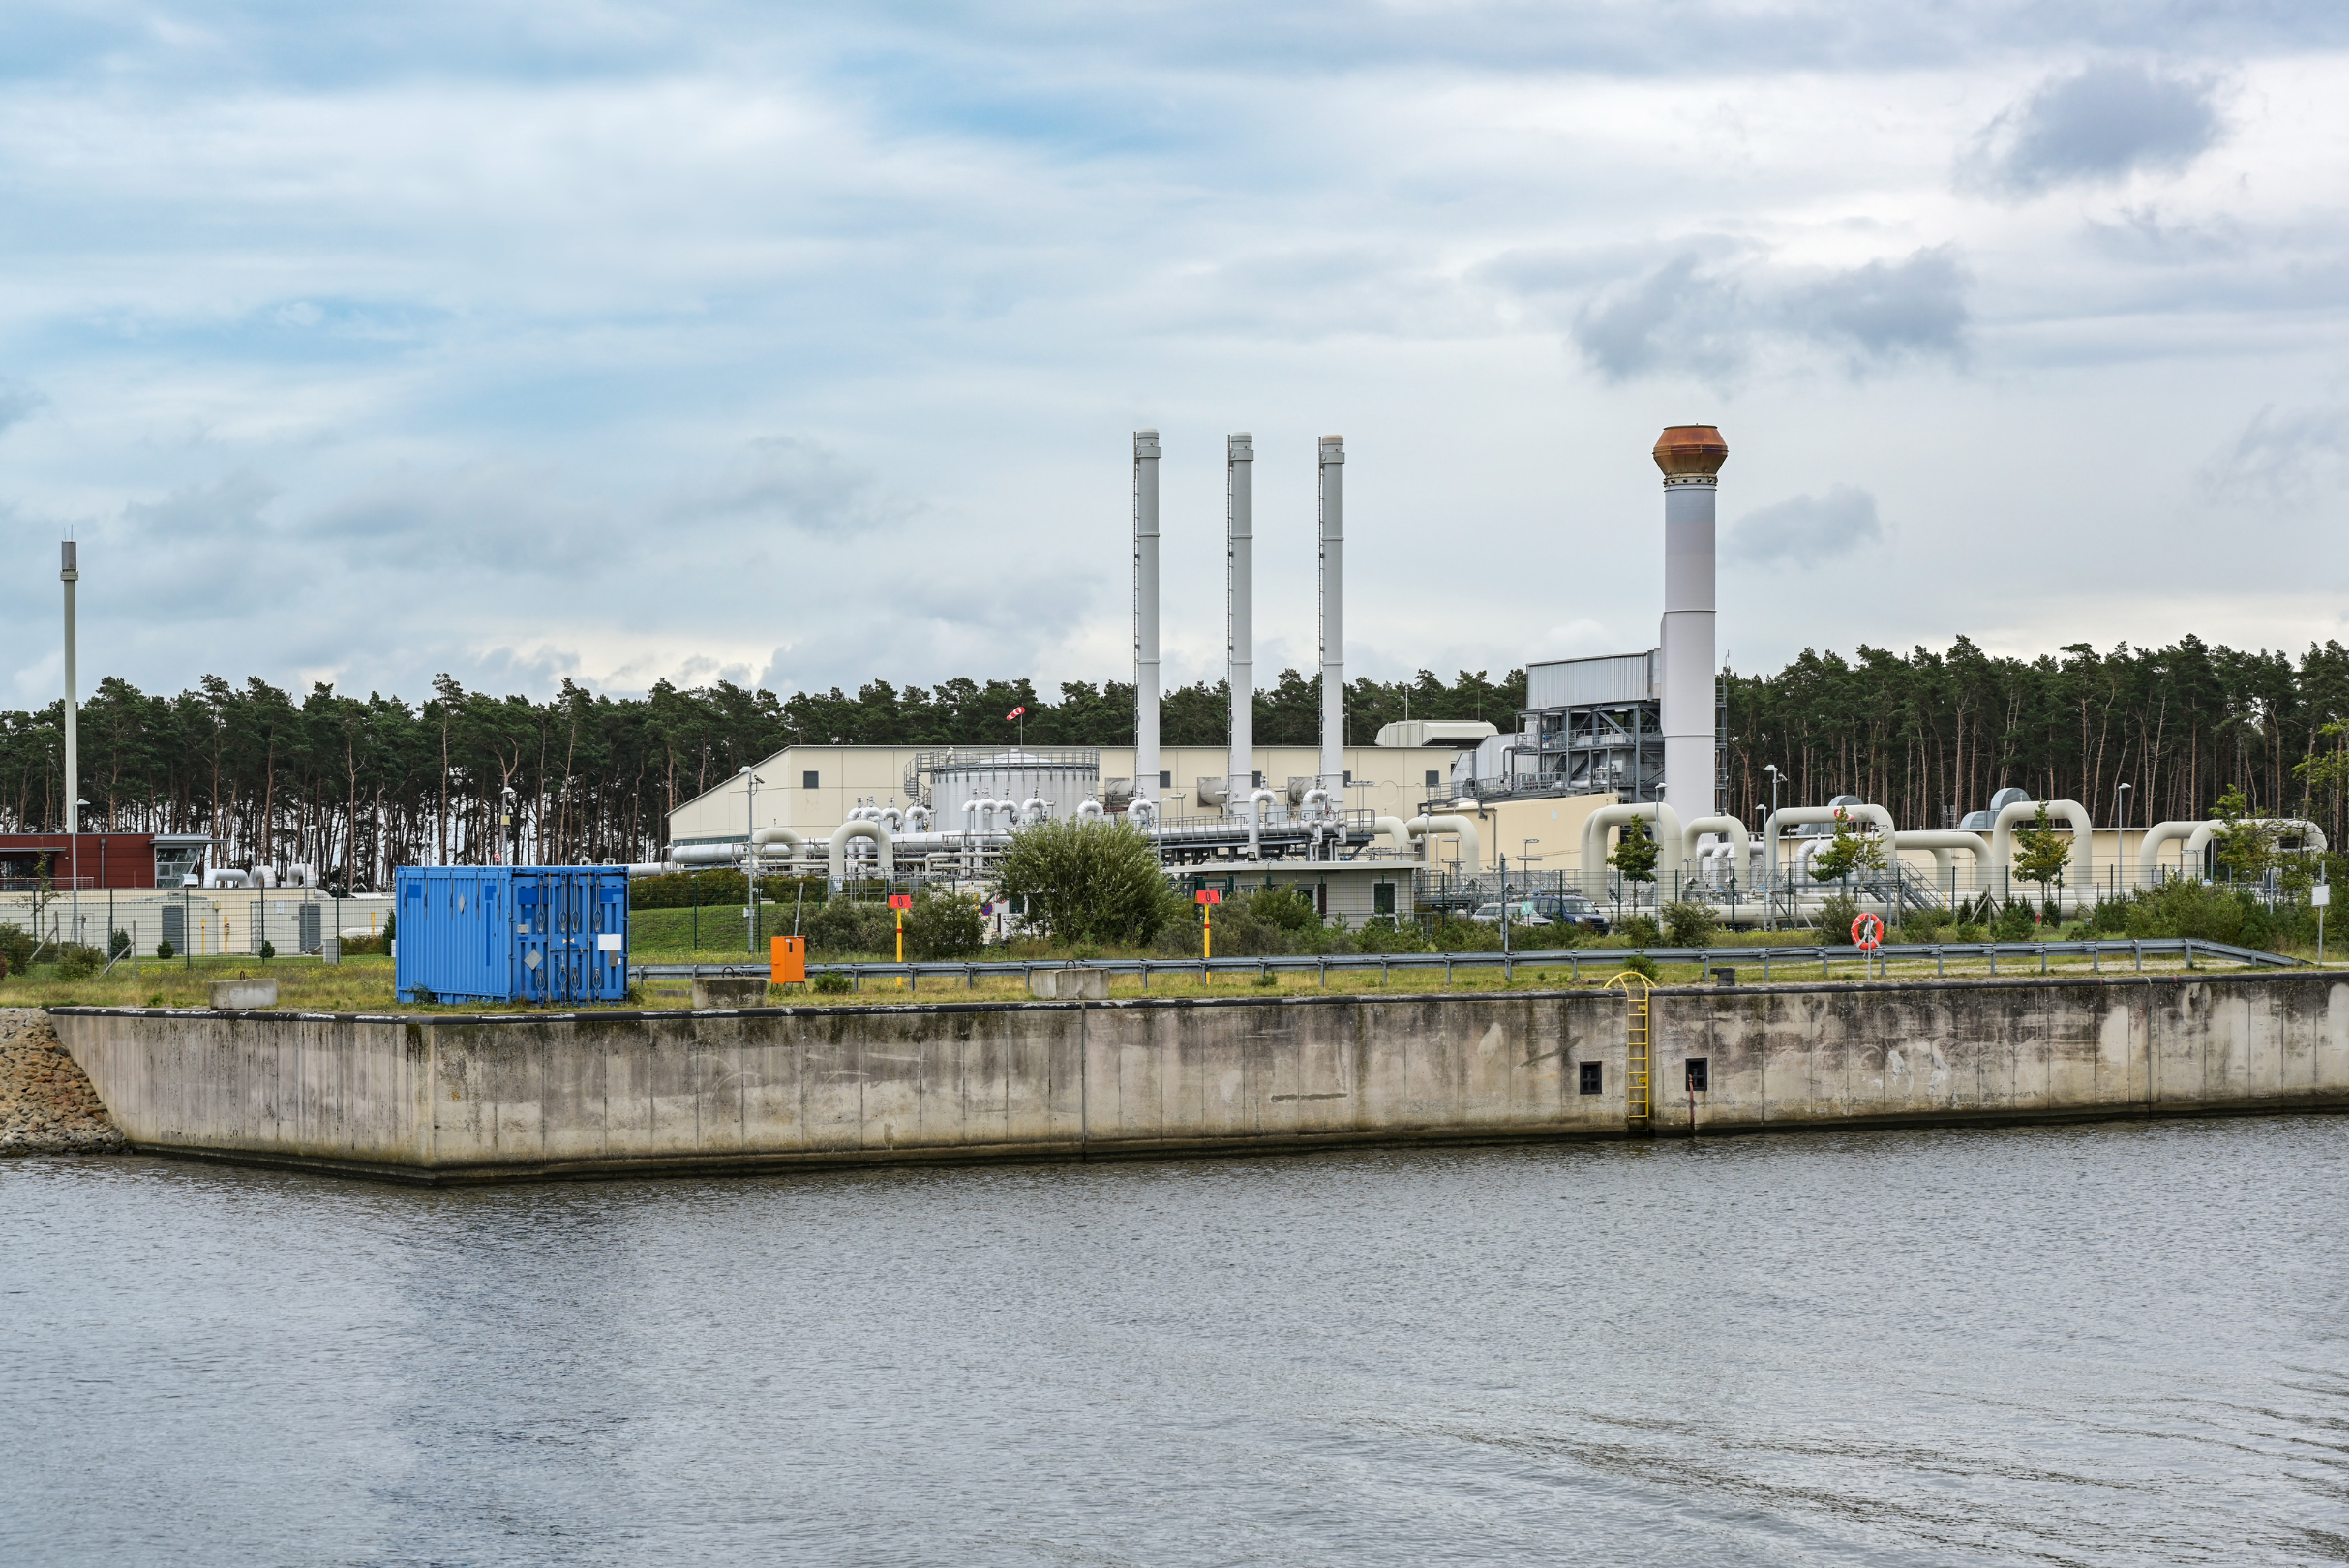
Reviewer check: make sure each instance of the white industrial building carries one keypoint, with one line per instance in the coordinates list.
(1602, 743)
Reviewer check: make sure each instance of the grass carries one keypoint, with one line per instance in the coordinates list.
(364, 984)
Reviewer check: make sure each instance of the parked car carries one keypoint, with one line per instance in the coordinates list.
(1568, 909)
(1523, 912)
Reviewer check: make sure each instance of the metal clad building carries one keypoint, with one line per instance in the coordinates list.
(488, 933)
(1618, 678)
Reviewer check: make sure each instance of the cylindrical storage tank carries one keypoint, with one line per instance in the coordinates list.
(1063, 778)
(1689, 456)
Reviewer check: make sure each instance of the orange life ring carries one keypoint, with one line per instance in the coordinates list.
(1870, 943)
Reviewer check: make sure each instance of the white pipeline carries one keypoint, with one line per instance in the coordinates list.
(1795, 816)
(1665, 826)
(1461, 828)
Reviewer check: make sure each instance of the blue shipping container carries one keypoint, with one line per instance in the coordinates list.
(521, 933)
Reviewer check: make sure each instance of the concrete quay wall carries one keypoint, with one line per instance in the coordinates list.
(447, 1098)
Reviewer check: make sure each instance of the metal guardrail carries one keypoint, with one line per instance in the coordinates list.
(1605, 960)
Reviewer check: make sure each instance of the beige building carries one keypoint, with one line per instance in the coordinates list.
(812, 788)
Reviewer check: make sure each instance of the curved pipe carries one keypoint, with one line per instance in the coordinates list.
(2200, 835)
(1941, 841)
(1789, 816)
(1398, 833)
(1261, 802)
(1734, 833)
(1594, 858)
(1090, 811)
(225, 879)
(893, 818)
(1316, 804)
(2078, 860)
(837, 865)
(1034, 809)
(1461, 828)
(919, 818)
(1144, 814)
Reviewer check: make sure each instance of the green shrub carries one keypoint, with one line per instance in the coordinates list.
(1281, 908)
(1236, 931)
(269, 949)
(1689, 925)
(78, 960)
(1640, 930)
(1833, 926)
(2016, 922)
(830, 983)
(1967, 931)
(1268, 980)
(945, 925)
(2110, 916)
(843, 926)
(118, 945)
(164, 948)
(1383, 934)
(1643, 965)
(1456, 933)
(2181, 908)
(1089, 881)
(16, 945)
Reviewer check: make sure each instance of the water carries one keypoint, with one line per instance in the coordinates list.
(2096, 1345)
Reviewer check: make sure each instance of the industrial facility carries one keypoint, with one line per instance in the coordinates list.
(1431, 816)
(1447, 815)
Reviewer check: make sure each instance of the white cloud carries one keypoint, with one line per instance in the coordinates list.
(623, 342)
(2098, 125)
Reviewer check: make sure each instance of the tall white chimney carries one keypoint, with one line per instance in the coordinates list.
(1240, 767)
(68, 573)
(1689, 456)
(1331, 584)
(1147, 616)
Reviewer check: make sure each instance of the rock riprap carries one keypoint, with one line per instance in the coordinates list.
(46, 1106)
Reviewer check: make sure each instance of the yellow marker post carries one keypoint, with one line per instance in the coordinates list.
(1206, 898)
(900, 903)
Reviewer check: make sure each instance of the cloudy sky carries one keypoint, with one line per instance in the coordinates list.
(800, 345)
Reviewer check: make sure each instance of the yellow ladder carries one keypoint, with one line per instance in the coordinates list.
(1636, 1046)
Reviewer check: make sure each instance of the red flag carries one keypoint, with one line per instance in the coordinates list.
(1016, 714)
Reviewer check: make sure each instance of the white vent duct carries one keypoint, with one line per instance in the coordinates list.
(1146, 782)
(1689, 456)
(1331, 455)
(1241, 772)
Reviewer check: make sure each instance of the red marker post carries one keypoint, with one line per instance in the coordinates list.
(900, 903)
(1205, 898)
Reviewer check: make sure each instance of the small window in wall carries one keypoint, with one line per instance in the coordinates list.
(808, 782)
(1347, 778)
(1384, 899)
(1429, 780)
(1694, 1073)
(1166, 778)
(1257, 781)
(1588, 1077)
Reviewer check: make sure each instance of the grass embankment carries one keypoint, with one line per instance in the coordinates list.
(364, 984)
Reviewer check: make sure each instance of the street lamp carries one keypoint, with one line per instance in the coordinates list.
(751, 861)
(2115, 880)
